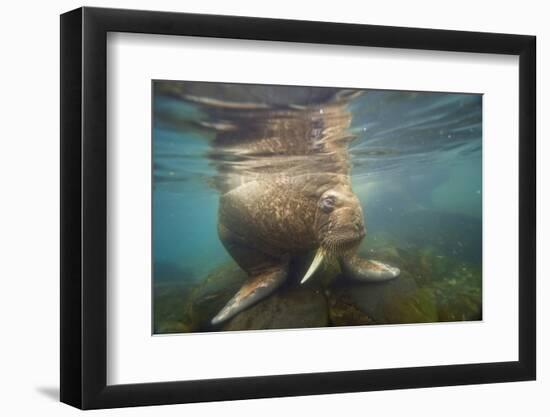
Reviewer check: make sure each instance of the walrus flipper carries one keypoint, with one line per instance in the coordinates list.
(367, 270)
(256, 288)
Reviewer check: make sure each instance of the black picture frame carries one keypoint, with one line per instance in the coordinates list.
(84, 207)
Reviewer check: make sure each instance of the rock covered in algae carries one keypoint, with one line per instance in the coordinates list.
(394, 302)
(209, 296)
(291, 307)
(431, 288)
(168, 307)
(459, 294)
(189, 307)
(343, 311)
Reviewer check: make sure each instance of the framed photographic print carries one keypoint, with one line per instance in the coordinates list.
(258, 208)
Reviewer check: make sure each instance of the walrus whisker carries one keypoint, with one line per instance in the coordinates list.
(335, 248)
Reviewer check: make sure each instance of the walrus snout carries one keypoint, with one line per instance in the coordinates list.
(346, 227)
(339, 220)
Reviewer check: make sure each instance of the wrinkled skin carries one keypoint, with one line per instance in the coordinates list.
(281, 154)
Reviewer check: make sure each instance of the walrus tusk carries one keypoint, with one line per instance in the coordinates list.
(318, 260)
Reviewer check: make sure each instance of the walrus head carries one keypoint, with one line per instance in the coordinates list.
(339, 221)
(339, 225)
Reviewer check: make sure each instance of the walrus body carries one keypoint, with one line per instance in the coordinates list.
(283, 176)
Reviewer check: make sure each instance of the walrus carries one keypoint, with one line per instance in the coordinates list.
(281, 154)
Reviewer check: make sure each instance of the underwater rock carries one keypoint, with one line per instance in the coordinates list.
(431, 288)
(393, 302)
(292, 307)
(211, 294)
(414, 307)
(169, 305)
(344, 312)
(396, 301)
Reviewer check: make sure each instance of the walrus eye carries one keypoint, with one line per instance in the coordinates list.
(327, 203)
